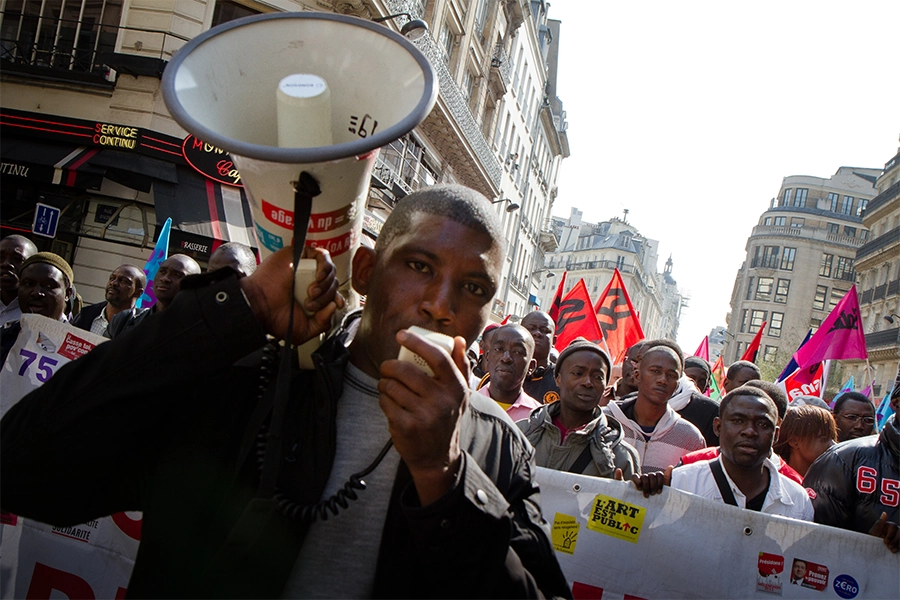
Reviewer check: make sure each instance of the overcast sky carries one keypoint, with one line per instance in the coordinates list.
(689, 114)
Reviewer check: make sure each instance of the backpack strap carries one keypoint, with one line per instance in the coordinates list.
(582, 461)
(719, 474)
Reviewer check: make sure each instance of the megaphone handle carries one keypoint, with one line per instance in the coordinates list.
(305, 189)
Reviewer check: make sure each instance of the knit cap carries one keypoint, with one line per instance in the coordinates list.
(582, 344)
(696, 361)
(51, 259)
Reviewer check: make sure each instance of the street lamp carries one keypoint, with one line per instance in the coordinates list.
(890, 318)
(512, 205)
(412, 30)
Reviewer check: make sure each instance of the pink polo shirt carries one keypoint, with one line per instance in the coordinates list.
(518, 410)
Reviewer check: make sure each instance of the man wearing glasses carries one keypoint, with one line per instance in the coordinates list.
(854, 415)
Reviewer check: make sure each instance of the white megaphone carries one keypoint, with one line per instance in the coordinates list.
(288, 93)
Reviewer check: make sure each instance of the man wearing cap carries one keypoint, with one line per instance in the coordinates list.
(508, 361)
(574, 434)
(45, 286)
(14, 249)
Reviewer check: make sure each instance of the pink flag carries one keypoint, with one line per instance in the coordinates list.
(703, 349)
(841, 336)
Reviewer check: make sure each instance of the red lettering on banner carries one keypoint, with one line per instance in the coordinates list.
(319, 222)
(335, 246)
(278, 215)
(583, 591)
(45, 579)
(130, 527)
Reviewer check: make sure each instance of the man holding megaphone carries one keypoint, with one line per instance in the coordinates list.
(448, 509)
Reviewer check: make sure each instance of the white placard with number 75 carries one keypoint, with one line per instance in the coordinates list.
(43, 346)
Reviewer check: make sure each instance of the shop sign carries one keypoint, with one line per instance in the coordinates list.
(120, 137)
(210, 161)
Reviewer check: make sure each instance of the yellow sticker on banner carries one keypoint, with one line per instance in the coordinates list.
(565, 533)
(616, 518)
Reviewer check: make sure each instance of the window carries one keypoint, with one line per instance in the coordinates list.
(775, 324)
(780, 221)
(834, 228)
(787, 259)
(844, 269)
(770, 257)
(847, 205)
(749, 289)
(757, 318)
(744, 314)
(849, 231)
(770, 353)
(836, 296)
(768, 221)
(833, 201)
(819, 299)
(814, 324)
(620, 262)
(781, 292)
(825, 267)
(764, 289)
(800, 197)
(797, 223)
(445, 41)
(861, 206)
(756, 256)
(738, 353)
(786, 197)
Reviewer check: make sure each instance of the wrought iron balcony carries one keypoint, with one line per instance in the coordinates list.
(883, 339)
(885, 196)
(879, 243)
(80, 51)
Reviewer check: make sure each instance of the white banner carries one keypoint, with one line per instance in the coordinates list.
(613, 543)
(91, 560)
(43, 346)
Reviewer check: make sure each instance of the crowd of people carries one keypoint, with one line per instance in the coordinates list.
(267, 497)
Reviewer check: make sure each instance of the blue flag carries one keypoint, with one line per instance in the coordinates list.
(884, 412)
(792, 366)
(160, 253)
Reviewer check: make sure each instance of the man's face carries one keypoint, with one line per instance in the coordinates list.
(799, 570)
(581, 380)
(542, 328)
(699, 376)
(746, 430)
(123, 288)
(657, 376)
(43, 290)
(740, 378)
(167, 283)
(510, 358)
(12, 254)
(628, 365)
(855, 420)
(439, 275)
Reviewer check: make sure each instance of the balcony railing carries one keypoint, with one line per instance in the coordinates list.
(883, 339)
(500, 62)
(78, 50)
(885, 196)
(879, 243)
(810, 233)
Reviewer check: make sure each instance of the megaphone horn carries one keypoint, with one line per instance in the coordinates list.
(288, 93)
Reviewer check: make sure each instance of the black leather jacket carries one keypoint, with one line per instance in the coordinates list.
(156, 420)
(855, 481)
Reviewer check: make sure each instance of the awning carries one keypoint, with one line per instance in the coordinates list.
(204, 207)
(133, 170)
(49, 162)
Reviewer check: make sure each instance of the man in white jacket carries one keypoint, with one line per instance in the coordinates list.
(660, 436)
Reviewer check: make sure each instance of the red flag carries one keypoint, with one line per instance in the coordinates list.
(717, 379)
(795, 386)
(576, 318)
(557, 299)
(505, 320)
(618, 321)
(753, 348)
(841, 336)
(703, 349)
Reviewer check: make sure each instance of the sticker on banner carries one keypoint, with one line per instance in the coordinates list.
(809, 574)
(615, 518)
(269, 240)
(769, 573)
(565, 533)
(74, 347)
(82, 532)
(845, 586)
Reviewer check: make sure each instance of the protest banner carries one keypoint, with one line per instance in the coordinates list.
(612, 543)
(90, 560)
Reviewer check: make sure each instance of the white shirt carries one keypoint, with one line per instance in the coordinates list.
(785, 497)
(10, 312)
(99, 324)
